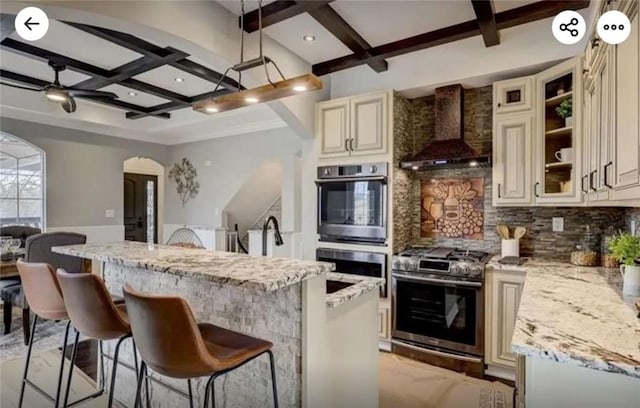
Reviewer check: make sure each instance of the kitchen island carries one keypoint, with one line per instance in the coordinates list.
(579, 337)
(325, 346)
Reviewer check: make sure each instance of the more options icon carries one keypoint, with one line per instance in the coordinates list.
(31, 23)
(613, 27)
(568, 27)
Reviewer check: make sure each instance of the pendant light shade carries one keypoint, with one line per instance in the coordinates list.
(265, 93)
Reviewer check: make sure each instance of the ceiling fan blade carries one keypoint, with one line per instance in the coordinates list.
(87, 93)
(26, 88)
(69, 105)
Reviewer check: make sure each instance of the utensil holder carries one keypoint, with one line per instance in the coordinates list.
(510, 247)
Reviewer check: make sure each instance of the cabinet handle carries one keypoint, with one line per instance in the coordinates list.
(535, 189)
(595, 42)
(584, 190)
(591, 179)
(499, 104)
(606, 175)
(351, 144)
(346, 144)
(499, 194)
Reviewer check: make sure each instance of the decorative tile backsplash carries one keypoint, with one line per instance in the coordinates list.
(540, 240)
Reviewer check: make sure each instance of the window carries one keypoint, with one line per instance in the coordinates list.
(21, 183)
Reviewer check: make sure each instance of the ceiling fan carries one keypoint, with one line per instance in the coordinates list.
(65, 95)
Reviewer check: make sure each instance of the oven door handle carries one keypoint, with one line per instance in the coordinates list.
(383, 179)
(437, 281)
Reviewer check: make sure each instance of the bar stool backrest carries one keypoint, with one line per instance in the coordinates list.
(38, 249)
(90, 307)
(42, 290)
(167, 335)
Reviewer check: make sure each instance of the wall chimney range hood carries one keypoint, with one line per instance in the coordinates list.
(448, 150)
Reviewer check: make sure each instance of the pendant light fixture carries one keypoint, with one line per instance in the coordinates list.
(268, 92)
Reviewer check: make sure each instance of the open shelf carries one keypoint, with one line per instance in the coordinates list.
(560, 132)
(556, 100)
(558, 165)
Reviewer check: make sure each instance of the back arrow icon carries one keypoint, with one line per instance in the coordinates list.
(29, 23)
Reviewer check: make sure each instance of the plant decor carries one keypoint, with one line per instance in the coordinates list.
(184, 175)
(565, 109)
(625, 248)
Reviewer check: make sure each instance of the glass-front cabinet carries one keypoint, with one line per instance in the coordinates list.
(559, 142)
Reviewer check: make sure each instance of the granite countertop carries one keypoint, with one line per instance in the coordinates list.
(576, 315)
(361, 285)
(261, 273)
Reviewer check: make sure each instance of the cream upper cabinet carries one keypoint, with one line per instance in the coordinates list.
(355, 126)
(502, 298)
(369, 124)
(513, 95)
(332, 128)
(626, 151)
(558, 141)
(512, 156)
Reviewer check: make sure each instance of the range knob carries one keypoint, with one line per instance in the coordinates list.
(396, 264)
(373, 169)
(327, 171)
(466, 270)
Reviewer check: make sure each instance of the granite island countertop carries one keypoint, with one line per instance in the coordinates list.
(361, 285)
(261, 273)
(576, 315)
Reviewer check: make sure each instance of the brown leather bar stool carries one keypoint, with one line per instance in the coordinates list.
(200, 350)
(43, 292)
(94, 314)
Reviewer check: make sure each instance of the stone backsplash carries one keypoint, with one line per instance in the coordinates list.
(540, 240)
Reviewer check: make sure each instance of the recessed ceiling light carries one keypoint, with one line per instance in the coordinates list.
(251, 99)
(132, 93)
(309, 38)
(212, 110)
(414, 167)
(299, 88)
(178, 79)
(473, 163)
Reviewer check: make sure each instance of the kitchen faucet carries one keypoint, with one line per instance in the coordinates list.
(276, 234)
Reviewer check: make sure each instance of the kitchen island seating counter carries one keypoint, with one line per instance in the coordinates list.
(257, 272)
(323, 350)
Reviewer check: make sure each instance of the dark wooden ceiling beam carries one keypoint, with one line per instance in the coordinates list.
(114, 103)
(505, 19)
(337, 26)
(151, 50)
(278, 11)
(486, 21)
(131, 69)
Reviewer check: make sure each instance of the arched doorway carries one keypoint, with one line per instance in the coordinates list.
(22, 183)
(137, 172)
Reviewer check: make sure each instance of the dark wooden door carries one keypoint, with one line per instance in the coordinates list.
(135, 206)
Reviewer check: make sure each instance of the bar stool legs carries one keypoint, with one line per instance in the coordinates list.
(210, 387)
(113, 371)
(26, 381)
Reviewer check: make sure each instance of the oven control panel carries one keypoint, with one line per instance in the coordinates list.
(469, 270)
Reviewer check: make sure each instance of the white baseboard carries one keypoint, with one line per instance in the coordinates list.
(95, 233)
(384, 345)
(501, 372)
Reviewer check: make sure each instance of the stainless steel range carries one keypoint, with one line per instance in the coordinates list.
(438, 304)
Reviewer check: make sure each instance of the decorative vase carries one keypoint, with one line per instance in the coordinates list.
(631, 280)
(568, 122)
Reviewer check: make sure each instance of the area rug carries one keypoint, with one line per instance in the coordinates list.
(44, 372)
(406, 383)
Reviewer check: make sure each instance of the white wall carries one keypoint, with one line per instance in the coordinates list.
(143, 165)
(256, 194)
(224, 166)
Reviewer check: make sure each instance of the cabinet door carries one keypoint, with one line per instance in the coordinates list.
(513, 95)
(558, 162)
(626, 176)
(604, 162)
(512, 160)
(332, 128)
(369, 124)
(504, 298)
